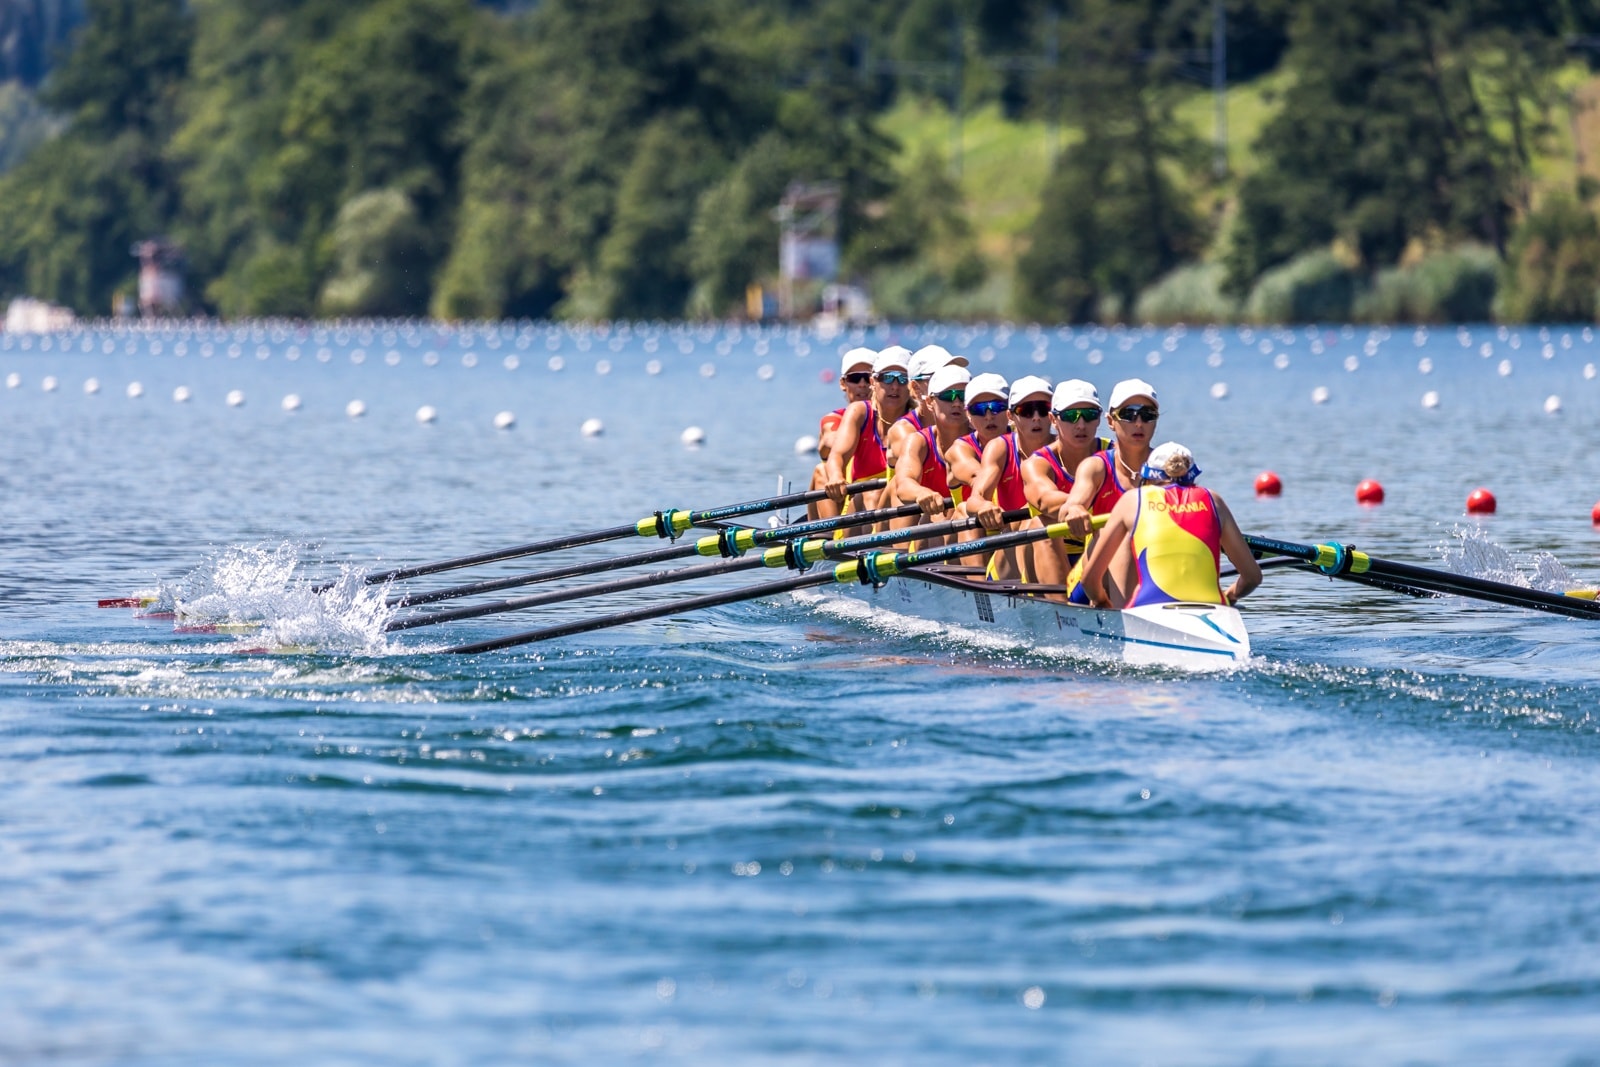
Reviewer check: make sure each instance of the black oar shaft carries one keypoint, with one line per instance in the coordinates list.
(646, 527)
(646, 558)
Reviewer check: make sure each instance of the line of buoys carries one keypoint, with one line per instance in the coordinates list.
(1481, 502)
(1268, 484)
(1369, 492)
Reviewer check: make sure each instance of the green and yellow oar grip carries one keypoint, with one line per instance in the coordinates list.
(676, 522)
(1582, 594)
(1337, 559)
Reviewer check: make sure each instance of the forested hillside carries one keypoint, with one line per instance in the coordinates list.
(624, 159)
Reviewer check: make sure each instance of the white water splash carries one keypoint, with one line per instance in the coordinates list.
(262, 584)
(1475, 554)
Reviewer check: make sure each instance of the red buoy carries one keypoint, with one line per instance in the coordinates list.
(1370, 491)
(826, 375)
(1480, 502)
(1267, 484)
(1594, 516)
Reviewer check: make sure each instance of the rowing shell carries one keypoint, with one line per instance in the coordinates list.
(1182, 636)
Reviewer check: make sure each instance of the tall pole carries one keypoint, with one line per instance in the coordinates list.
(1219, 83)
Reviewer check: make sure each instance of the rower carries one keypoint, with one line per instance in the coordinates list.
(858, 444)
(920, 473)
(922, 365)
(1102, 479)
(998, 486)
(987, 404)
(855, 382)
(1048, 473)
(1176, 532)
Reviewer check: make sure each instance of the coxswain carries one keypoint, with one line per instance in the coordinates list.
(1048, 474)
(858, 451)
(920, 473)
(1177, 533)
(855, 382)
(1102, 479)
(998, 486)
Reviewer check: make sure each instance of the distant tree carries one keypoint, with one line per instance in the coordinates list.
(1552, 270)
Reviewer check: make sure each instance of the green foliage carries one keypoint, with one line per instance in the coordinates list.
(381, 257)
(24, 125)
(1190, 294)
(1454, 285)
(1552, 269)
(125, 70)
(1312, 287)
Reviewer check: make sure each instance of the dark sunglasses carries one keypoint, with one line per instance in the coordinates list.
(952, 396)
(984, 408)
(1033, 409)
(894, 377)
(860, 377)
(1079, 415)
(1137, 413)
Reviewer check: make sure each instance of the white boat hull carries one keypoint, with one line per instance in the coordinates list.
(1181, 636)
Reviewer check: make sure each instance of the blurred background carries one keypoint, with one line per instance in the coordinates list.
(1054, 160)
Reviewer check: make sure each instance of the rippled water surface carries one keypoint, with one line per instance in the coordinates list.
(773, 832)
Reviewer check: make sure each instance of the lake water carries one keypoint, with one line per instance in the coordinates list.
(769, 833)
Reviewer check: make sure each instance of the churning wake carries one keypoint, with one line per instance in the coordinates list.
(1472, 552)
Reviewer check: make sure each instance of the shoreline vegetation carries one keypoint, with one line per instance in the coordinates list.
(1385, 161)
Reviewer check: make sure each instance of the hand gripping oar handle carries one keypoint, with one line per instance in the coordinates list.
(1340, 561)
(868, 570)
(661, 524)
(729, 542)
(797, 555)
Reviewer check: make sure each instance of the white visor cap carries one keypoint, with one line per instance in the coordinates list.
(855, 358)
(891, 358)
(1129, 388)
(990, 385)
(948, 377)
(1026, 386)
(930, 358)
(1074, 391)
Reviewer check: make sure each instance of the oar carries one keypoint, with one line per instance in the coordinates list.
(1340, 561)
(730, 542)
(799, 555)
(868, 570)
(661, 524)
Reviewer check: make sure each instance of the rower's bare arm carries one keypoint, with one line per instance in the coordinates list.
(908, 485)
(894, 442)
(961, 464)
(1119, 524)
(845, 441)
(1238, 553)
(1085, 484)
(1040, 487)
(981, 506)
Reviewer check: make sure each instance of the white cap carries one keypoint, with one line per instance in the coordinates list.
(948, 377)
(1171, 462)
(990, 385)
(855, 357)
(1026, 386)
(930, 358)
(891, 358)
(1129, 388)
(1074, 391)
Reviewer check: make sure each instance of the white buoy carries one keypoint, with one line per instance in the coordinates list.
(708, 370)
(430, 359)
(355, 409)
(805, 445)
(426, 414)
(1588, 373)
(1425, 365)
(13, 380)
(602, 367)
(1430, 399)
(235, 398)
(49, 383)
(135, 390)
(91, 386)
(1504, 368)
(556, 363)
(511, 362)
(505, 420)
(653, 367)
(694, 437)
(181, 395)
(469, 360)
(291, 402)
(1552, 405)
(592, 428)
(765, 372)
(1281, 361)
(1352, 363)
(1219, 391)
(1320, 395)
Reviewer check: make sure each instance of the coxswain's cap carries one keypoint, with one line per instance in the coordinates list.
(1074, 391)
(1170, 463)
(1026, 386)
(948, 377)
(1129, 388)
(855, 358)
(891, 358)
(990, 385)
(930, 358)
